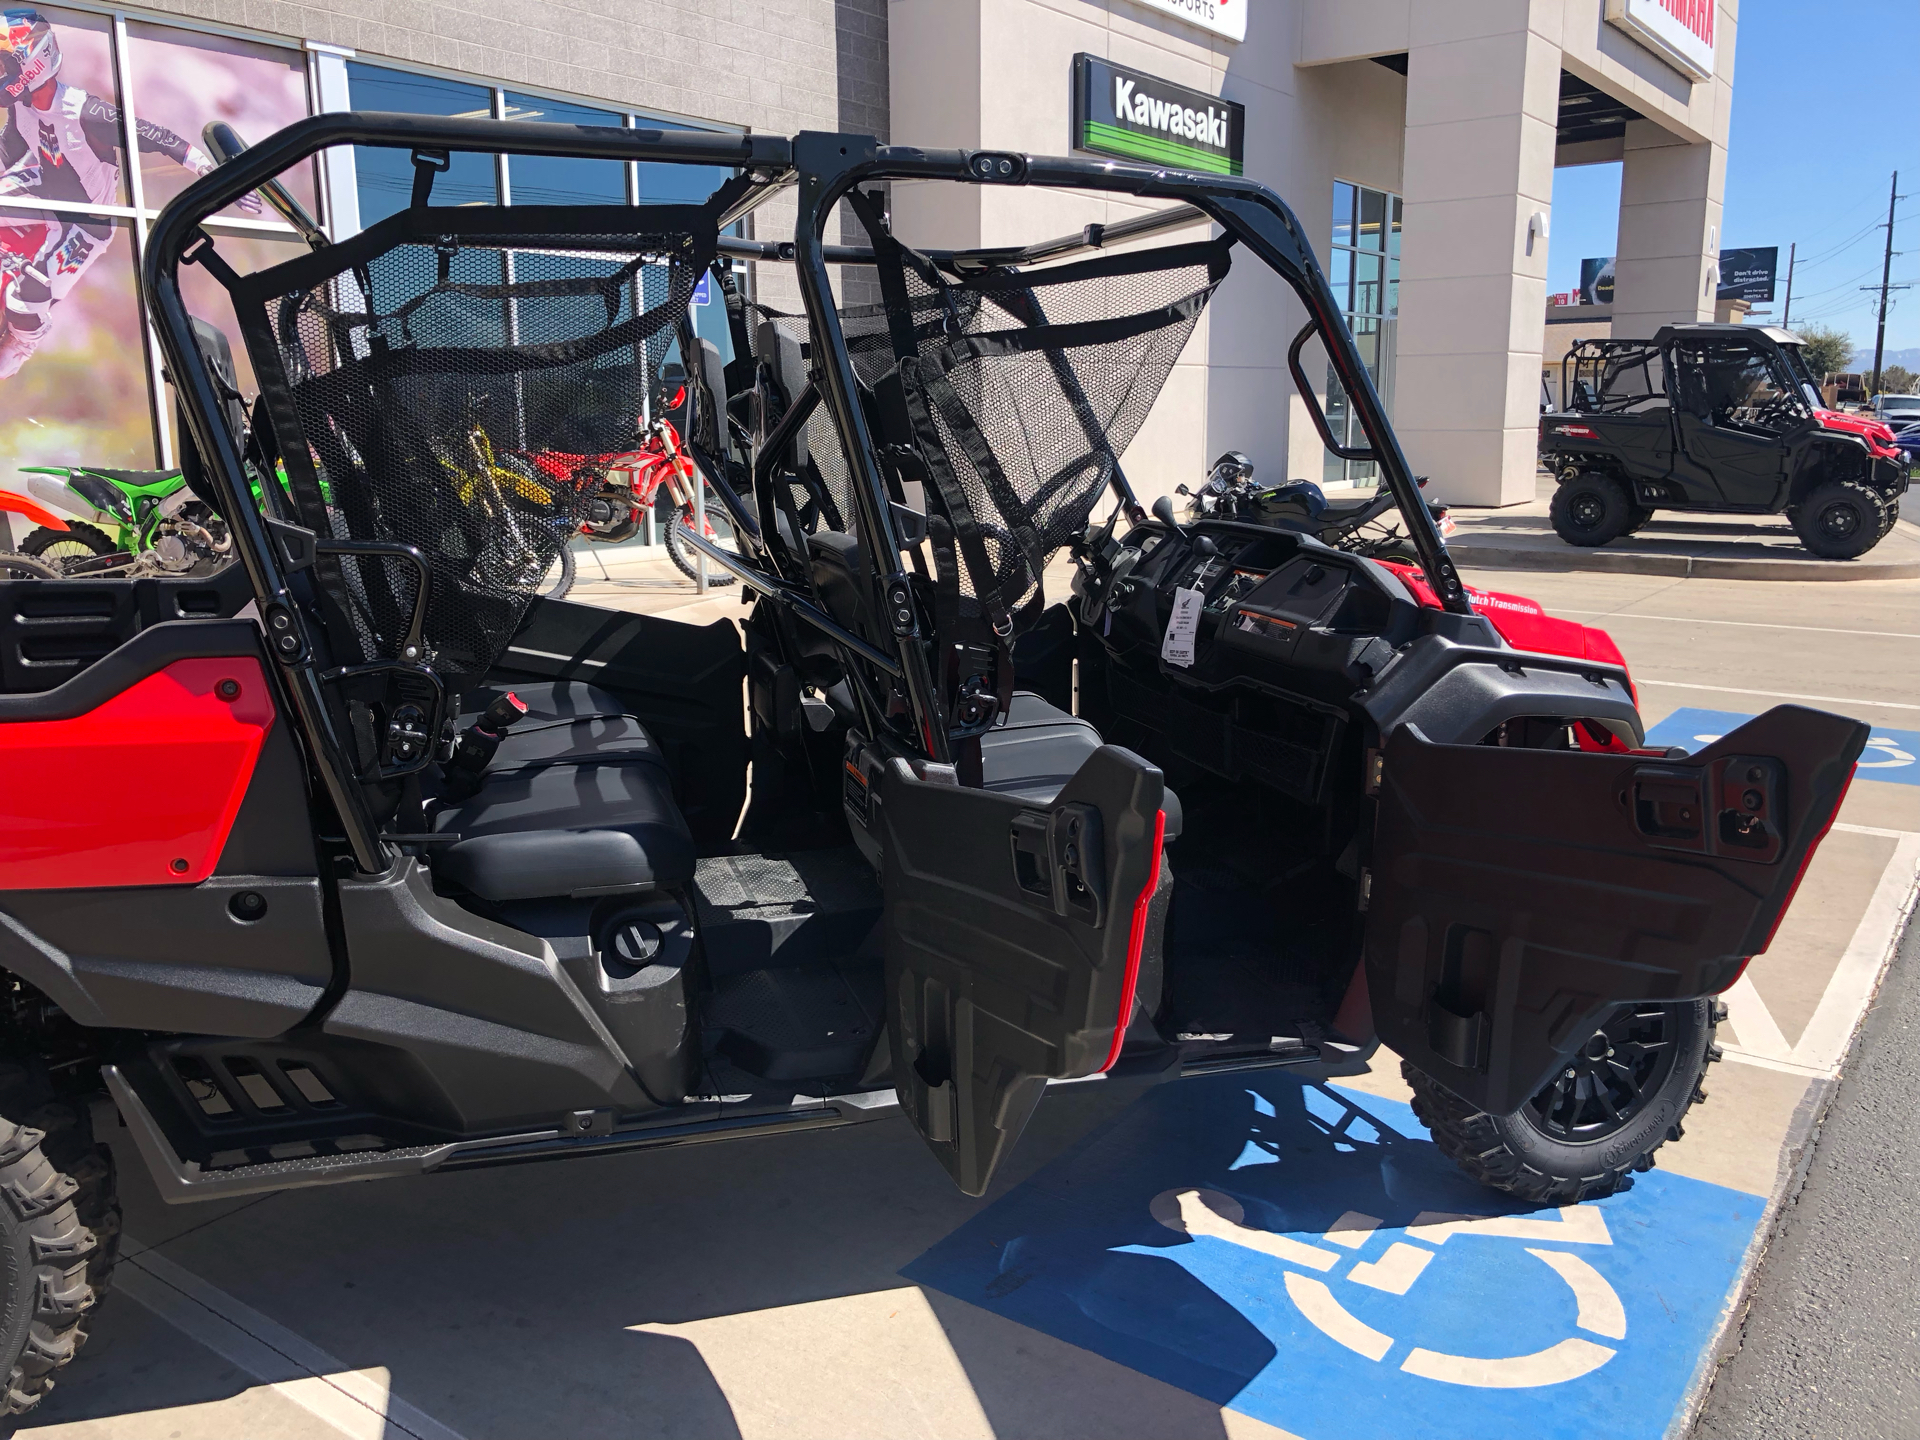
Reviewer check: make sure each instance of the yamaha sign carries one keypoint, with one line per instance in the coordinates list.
(1678, 31)
(1118, 111)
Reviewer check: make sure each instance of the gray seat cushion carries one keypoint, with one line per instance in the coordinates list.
(577, 801)
(565, 720)
(1038, 749)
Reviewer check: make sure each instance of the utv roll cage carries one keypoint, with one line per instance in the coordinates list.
(822, 169)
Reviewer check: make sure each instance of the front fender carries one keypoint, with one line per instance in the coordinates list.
(1457, 694)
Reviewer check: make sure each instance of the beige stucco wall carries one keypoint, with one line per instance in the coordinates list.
(995, 74)
(1482, 99)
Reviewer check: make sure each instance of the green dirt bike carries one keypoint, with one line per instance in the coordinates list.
(148, 519)
(142, 518)
(122, 510)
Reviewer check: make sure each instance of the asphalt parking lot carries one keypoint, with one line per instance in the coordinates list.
(1149, 1262)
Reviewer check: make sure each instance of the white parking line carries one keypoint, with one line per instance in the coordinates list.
(1772, 694)
(1828, 1034)
(357, 1403)
(1843, 1004)
(1743, 624)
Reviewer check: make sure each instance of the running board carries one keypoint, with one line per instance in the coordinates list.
(183, 1181)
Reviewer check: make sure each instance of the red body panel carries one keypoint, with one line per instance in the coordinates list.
(140, 791)
(1523, 624)
(1877, 433)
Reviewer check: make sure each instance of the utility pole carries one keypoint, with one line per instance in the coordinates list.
(1886, 274)
(1793, 258)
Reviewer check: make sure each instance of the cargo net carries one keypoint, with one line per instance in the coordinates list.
(1025, 390)
(451, 395)
(1030, 385)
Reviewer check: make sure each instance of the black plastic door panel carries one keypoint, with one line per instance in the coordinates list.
(1518, 895)
(1013, 935)
(1746, 467)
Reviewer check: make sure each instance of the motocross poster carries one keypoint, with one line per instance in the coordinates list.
(74, 382)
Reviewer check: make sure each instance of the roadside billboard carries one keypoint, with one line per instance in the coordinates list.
(1746, 274)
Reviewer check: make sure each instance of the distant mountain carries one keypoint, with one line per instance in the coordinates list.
(1863, 359)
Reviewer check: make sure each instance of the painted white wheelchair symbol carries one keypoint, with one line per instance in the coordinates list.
(1220, 1217)
(1887, 748)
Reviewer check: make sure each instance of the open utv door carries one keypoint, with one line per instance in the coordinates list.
(1519, 895)
(1013, 934)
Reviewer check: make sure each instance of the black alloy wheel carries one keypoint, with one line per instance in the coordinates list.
(1591, 510)
(1840, 520)
(1597, 1121)
(1612, 1078)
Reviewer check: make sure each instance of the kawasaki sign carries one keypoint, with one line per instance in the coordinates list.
(1117, 111)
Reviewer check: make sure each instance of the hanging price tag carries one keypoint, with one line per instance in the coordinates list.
(1176, 648)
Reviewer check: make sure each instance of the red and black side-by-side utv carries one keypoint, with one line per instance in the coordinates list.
(1722, 419)
(448, 875)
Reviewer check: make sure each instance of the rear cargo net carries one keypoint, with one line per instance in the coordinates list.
(445, 380)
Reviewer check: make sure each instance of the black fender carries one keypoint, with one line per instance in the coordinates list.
(1457, 693)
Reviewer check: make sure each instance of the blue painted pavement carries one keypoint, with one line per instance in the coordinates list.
(1305, 1255)
(1890, 754)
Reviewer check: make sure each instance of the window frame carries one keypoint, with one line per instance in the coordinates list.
(1374, 314)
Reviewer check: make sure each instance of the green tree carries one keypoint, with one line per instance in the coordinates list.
(1898, 380)
(1825, 349)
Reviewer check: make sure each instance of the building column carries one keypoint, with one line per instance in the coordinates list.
(1666, 263)
(1483, 96)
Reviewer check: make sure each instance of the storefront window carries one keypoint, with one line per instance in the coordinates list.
(77, 367)
(385, 176)
(1363, 266)
(78, 370)
(551, 180)
(79, 395)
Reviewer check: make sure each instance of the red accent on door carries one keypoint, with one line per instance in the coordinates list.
(141, 790)
(1136, 942)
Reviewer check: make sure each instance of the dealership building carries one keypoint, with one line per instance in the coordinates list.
(1415, 139)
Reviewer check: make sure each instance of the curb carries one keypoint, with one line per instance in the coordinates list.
(1796, 1161)
(1697, 567)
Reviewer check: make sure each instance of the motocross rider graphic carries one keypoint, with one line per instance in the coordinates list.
(59, 143)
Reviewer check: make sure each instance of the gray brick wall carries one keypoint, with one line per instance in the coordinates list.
(770, 65)
(780, 65)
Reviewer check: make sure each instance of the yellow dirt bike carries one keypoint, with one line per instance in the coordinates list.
(511, 505)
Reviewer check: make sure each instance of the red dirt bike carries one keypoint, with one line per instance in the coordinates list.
(617, 489)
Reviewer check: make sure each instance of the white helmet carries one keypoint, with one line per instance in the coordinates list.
(31, 57)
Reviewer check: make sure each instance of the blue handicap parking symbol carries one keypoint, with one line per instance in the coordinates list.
(1304, 1254)
(1890, 754)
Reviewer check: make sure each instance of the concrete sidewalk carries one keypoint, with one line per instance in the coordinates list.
(1722, 547)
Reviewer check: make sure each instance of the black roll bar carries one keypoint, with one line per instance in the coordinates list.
(176, 232)
(827, 166)
(824, 166)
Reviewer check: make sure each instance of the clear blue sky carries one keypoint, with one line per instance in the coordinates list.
(1826, 105)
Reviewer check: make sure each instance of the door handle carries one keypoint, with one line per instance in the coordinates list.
(1060, 861)
(1668, 806)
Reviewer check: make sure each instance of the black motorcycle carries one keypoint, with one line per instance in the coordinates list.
(1362, 526)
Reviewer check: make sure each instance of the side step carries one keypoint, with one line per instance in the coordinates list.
(181, 1181)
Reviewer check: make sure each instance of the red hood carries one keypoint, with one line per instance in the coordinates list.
(1522, 623)
(1877, 433)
